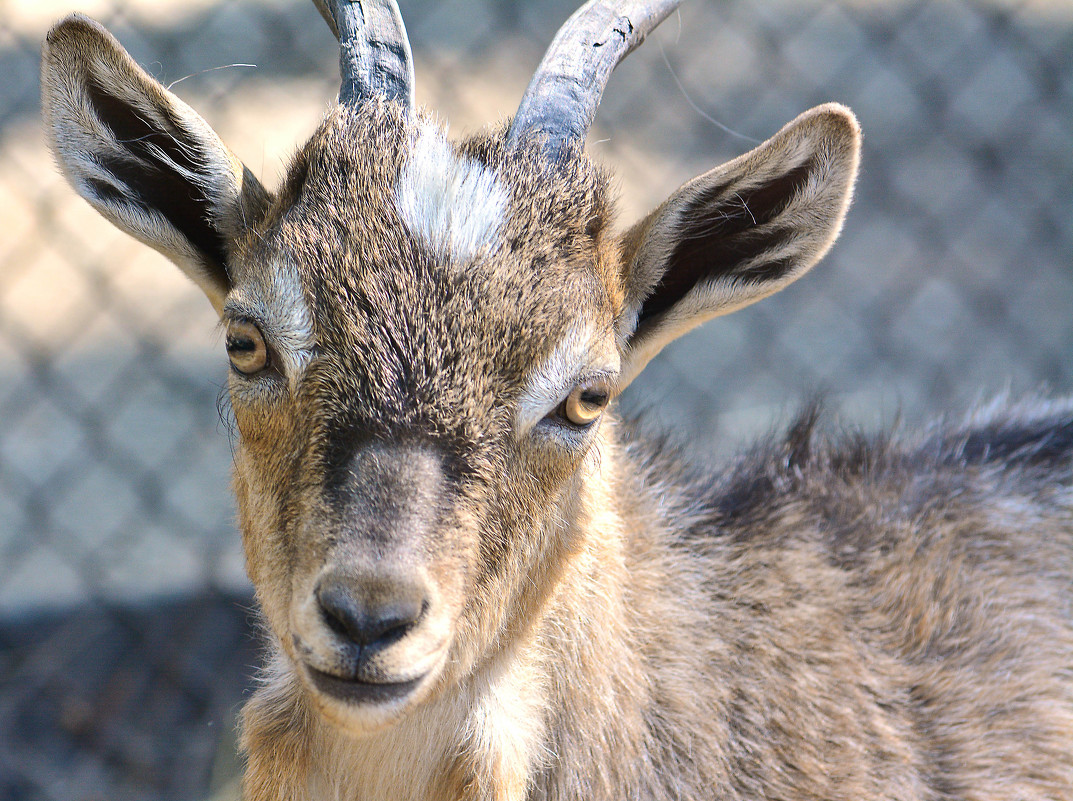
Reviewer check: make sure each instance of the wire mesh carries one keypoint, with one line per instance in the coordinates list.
(125, 642)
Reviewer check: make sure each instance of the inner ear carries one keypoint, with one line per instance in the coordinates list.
(730, 232)
(160, 172)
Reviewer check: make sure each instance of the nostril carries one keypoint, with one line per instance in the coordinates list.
(339, 611)
(368, 621)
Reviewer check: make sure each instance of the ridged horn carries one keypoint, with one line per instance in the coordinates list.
(374, 53)
(563, 95)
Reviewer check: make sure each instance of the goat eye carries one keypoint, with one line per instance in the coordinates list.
(585, 403)
(246, 347)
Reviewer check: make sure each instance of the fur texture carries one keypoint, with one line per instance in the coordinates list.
(470, 595)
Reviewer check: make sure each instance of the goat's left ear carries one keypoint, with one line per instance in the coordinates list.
(737, 233)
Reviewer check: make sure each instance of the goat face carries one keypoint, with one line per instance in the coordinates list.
(423, 337)
(421, 398)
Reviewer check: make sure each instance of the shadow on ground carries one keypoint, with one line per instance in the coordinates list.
(123, 702)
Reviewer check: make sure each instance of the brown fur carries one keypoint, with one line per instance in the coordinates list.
(830, 617)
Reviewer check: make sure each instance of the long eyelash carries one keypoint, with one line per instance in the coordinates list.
(226, 414)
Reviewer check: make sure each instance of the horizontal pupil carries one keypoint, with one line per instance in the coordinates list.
(593, 398)
(241, 344)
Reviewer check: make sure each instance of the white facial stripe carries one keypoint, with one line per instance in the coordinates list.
(455, 204)
(289, 304)
(280, 305)
(549, 382)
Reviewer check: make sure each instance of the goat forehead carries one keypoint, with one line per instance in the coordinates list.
(424, 345)
(428, 333)
(412, 250)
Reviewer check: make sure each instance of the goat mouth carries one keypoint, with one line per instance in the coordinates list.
(356, 691)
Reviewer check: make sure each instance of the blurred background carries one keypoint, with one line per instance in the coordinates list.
(126, 638)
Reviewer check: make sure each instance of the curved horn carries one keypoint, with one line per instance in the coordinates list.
(374, 53)
(562, 97)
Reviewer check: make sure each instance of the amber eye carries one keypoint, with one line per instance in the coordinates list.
(585, 403)
(246, 347)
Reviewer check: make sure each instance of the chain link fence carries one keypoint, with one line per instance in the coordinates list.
(125, 622)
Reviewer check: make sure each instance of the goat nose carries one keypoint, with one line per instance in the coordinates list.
(370, 614)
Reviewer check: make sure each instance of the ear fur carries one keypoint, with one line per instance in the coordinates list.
(142, 157)
(738, 233)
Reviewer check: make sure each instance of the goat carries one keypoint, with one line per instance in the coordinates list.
(479, 583)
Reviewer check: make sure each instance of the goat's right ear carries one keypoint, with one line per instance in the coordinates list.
(142, 157)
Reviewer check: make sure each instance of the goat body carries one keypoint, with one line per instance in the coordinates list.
(478, 582)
